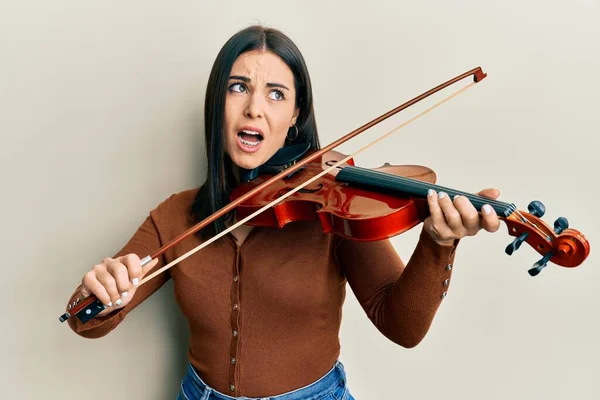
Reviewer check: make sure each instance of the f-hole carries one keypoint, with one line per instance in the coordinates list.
(329, 163)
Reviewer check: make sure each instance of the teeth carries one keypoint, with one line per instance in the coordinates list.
(252, 133)
(251, 144)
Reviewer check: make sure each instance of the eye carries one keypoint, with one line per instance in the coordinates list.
(237, 87)
(277, 95)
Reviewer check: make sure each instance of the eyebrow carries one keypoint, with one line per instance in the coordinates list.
(269, 84)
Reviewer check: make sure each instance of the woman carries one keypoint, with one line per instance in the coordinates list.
(264, 305)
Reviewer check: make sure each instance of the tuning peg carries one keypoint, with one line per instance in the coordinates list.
(514, 246)
(537, 208)
(560, 225)
(540, 265)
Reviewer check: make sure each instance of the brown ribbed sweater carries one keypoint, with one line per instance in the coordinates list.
(264, 318)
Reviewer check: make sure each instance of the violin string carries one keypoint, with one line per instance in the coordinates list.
(510, 207)
(507, 206)
(424, 186)
(274, 202)
(473, 198)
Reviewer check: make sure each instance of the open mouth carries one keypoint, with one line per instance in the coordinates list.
(250, 138)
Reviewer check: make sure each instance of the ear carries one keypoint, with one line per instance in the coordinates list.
(295, 117)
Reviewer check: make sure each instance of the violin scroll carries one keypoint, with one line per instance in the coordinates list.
(559, 244)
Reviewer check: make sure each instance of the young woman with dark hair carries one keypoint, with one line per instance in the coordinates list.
(264, 305)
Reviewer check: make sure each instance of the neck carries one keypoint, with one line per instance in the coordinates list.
(236, 173)
(399, 185)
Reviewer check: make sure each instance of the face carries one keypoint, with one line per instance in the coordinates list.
(259, 108)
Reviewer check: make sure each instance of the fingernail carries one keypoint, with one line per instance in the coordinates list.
(455, 197)
(135, 281)
(125, 294)
(487, 209)
(109, 304)
(441, 195)
(430, 192)
(118, 302)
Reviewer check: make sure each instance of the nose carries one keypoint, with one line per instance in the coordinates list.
(254, 106)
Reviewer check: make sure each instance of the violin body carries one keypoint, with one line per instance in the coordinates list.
(351, 212)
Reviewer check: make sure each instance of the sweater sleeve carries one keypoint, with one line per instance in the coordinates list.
(400, 299)
(145, 240)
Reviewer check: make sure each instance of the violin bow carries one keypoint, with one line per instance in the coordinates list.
(90, 307)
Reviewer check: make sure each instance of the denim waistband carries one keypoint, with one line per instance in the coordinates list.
(194, 388)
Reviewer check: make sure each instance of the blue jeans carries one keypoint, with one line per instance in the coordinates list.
(332, 386)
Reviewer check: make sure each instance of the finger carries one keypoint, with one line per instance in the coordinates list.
(438, 222)
(451, 214)
(110, 285)
(134, 267)
(121, 276)
(490, 193)
(468, 213)
(489, 221)
(92, 285)
(148, 267)
(434, 207)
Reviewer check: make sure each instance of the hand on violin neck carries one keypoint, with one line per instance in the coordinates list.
(454, 218)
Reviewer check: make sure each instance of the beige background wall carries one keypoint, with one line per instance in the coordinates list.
(101, 119)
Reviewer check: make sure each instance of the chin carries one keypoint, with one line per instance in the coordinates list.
(247, 161)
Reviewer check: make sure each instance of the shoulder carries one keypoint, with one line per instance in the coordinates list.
(174, 210)
(177, 201)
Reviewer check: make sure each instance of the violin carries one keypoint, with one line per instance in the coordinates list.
(374, 204)
(362, 204)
